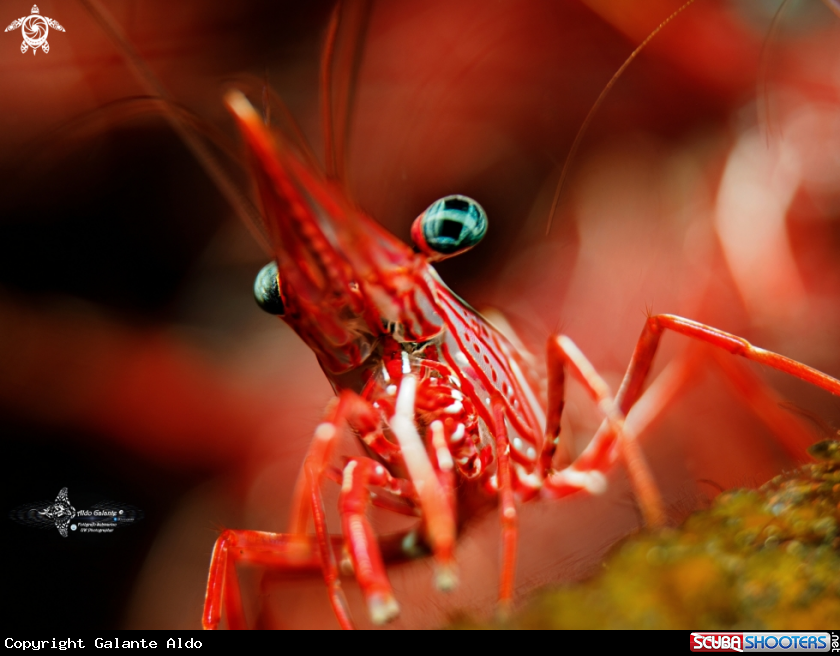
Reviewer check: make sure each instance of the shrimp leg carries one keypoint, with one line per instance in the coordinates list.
(601, 451)
(277, 550)
(588, 470)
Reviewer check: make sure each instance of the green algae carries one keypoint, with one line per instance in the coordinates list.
(756, 559)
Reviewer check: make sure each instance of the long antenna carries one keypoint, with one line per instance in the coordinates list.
(241, 205)
(762, 92)
(341, 60)
(328, 127)
(585, 125)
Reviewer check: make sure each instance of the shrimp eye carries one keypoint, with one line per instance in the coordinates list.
(267, 290)
(449, 226)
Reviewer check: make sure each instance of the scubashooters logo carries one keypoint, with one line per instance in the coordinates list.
(34, 29)
(792, 641)
(102, 517)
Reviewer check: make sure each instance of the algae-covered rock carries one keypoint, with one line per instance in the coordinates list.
(758, 559)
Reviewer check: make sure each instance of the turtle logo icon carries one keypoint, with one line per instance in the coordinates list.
(34, 29)
(61, 512)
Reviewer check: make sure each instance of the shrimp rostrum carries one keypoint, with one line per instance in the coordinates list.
(447, 409)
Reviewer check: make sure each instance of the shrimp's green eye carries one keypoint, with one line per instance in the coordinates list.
(449, 226)
(267, 290)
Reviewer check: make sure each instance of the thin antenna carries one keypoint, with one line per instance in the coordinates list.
(585, 125)
(328, 127)
(238, 201)
(762, 92)
(266, 100)
(340, 63)
(123, 109)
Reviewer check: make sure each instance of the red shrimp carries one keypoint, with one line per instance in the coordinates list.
(448, 410)
(587, 311)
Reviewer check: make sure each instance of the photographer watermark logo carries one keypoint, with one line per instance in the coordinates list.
(102, 517)
(34, 29)
(61, 512)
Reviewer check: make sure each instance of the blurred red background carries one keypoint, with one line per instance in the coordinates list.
(135, 366)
